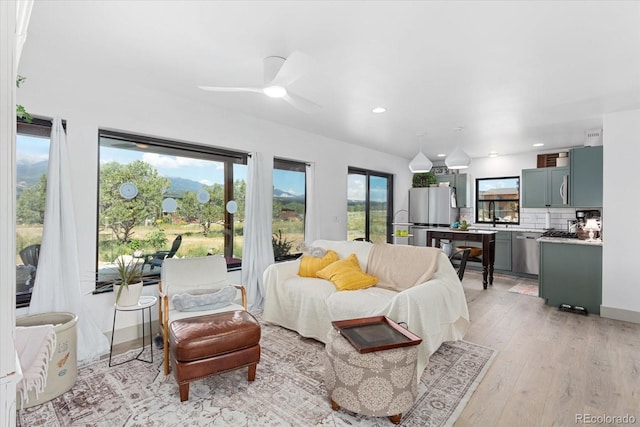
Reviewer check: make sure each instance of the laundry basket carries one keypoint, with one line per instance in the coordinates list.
(63, 368)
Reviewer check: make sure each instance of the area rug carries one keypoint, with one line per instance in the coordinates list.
(525, 289)
(288, 391)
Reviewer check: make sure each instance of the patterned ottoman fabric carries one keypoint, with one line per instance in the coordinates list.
(381, 383)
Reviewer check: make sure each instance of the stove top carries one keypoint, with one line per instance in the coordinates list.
(559, 233)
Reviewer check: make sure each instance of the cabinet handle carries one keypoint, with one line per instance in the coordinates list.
(563, 189)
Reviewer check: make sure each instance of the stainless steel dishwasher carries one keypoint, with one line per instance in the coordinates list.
(525, 252)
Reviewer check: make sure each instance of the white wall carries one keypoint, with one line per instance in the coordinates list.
(88, 106)
(620, 287)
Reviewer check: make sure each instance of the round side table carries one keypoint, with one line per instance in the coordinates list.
(145, 302)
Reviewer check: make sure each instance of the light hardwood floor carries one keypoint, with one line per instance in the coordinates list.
(550, 365)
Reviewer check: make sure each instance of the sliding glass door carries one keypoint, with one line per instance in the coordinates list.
(369, 205)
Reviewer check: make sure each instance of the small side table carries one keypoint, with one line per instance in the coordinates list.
(145, 302)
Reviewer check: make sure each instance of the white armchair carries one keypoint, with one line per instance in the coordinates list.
(192, 275)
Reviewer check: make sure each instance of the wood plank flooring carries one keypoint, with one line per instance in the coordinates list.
(550, 365)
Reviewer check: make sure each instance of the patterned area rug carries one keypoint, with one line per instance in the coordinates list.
(288, 391)
(525, 289)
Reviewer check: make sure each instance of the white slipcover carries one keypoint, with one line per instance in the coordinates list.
(435, 310)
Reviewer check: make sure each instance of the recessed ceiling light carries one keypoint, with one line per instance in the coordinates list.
(539, 144)
(379, 110)
(493, 154)
(442, 155)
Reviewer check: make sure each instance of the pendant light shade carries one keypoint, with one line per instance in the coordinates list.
(420, 163)
(458, 159)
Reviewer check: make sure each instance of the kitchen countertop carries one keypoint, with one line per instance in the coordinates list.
(569, 241)
(457, 230)
(505, 228)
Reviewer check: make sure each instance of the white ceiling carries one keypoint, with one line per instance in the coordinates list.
(511, 73)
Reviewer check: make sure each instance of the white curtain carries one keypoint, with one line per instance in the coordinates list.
(257, 250)
(311, 224)
(23, 15)
(57, 285)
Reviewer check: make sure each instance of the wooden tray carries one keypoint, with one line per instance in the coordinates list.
(368, 334)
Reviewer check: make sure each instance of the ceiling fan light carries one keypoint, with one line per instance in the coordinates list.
(458, 159)
(420, 163)
(275, 91)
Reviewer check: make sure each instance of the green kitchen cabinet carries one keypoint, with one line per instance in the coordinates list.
(586, 177)
(503, 251)
(571, 274)
(545, 187)
(461, 182)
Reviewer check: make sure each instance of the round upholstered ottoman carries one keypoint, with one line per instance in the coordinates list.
(380, 383)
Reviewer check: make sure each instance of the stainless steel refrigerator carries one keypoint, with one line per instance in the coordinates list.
(432, 206)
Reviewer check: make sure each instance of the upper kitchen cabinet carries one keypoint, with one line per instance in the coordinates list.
(586, 176)
(545, 187)
(462, 184)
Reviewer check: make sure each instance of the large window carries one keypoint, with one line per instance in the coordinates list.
(498, 200)
(369, 205)
(161, 198)
(289, 206)
(32, 162)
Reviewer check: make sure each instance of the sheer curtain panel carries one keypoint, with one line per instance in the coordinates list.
(57, 285)
(257, 250)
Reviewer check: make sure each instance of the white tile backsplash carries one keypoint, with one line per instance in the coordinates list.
(533, 218)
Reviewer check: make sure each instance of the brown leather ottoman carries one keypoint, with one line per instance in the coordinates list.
(207, 345)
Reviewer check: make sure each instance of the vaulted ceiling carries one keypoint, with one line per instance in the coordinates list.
(510, 73)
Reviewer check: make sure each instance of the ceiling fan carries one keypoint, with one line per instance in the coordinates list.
(279, 73)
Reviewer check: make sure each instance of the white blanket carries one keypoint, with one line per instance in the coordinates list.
(35, 346)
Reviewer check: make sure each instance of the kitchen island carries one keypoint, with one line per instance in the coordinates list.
(487, 237)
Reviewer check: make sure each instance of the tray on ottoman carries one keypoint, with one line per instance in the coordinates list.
(368, 334)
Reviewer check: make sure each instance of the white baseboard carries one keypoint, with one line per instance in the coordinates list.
(620, 314)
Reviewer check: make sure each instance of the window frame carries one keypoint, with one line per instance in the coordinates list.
(368, 174)
(172, 147)
(479, 200)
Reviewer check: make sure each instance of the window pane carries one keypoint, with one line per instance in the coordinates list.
(178, 192)
(32, 162)
(289, 204)
(239, 196)
(356, 206)
(378, 209)
(368, 205)
(498, 200)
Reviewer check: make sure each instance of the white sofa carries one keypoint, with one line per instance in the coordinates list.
(435, 310)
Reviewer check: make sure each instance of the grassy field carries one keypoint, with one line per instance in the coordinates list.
(194, 243)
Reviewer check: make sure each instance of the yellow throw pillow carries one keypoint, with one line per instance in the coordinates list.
(346, 275)
(310, 265)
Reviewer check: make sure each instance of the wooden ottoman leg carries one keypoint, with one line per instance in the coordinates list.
(334, 405)
(252, 372)
(184, 392)
(395, 418)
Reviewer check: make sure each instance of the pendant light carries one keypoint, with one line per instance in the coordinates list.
(420, 162)
(458, 159)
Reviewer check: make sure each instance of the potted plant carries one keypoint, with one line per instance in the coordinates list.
(423, 179)
(128, 286)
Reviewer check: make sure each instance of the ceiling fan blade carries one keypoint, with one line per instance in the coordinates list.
(294, 67)
(231, 89)
(301, 103)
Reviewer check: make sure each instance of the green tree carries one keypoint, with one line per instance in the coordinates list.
(122, 215)
(30, 204)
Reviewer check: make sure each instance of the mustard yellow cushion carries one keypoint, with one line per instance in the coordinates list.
(346, 275)
(310, 265)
